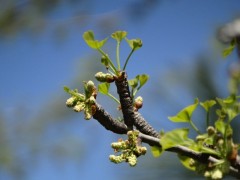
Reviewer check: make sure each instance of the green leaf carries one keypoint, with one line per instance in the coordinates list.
(209, 140)
(119, 35)
(208, 104)
(138, 82)
(220, 126)
(156, 151)
(230, 106)
(174, 137)
(143, 78)
(66, 89)
(224, 128)
(229, 100)
(185, 114)
(133, 83)
(134, 43)
(88, 36)
(232, 113)
(226, 52)
(103, 88)
(209, 151)
(187, 162)
(74, 93)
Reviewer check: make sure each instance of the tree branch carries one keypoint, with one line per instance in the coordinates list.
(130, 116)
(108, 122)
(125, 99)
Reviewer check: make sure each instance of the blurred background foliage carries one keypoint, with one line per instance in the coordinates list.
(39, 141)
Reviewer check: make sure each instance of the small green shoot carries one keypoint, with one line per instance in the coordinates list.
(118, 36)
(104, 89)
(137, 83)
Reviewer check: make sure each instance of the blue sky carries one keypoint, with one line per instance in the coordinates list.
(33, 69)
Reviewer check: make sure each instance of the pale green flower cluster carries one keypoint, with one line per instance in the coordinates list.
(129, 149)
(83, 102)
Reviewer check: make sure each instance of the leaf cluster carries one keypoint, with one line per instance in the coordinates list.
(128, 150)
(216, 141)
(134, 44)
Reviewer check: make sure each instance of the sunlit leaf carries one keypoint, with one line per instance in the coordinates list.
(185, 114)
(133, 83)
(103, 88)
(232, 113)
(208, 104)
(220, 126)
(88, 36)
(143, 78)
(138, 82)
(119, 35)
(187, 162)
(229, 100)
(230, 105)
(174, 137)
(209, 140)
(226, 52)
(134, 43)
(156, 151)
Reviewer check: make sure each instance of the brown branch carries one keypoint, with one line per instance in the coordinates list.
(131, 117)
(142, 125)
(108, 122)
(125, 99)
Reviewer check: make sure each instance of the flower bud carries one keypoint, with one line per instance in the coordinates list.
(137, 43)
(207, 174)
(71, 102)
(90, 85)
(132, 160)
(79, 107)
(211, 130)
(220, 142)
(104, 61)
(88, 112)
(118, 145)
(140, 151)
(115, 159)
(102, 77)
(217, 174)
(138, 102)
(90, 89)
(143, 150)
(192, 162)
(92, 100)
